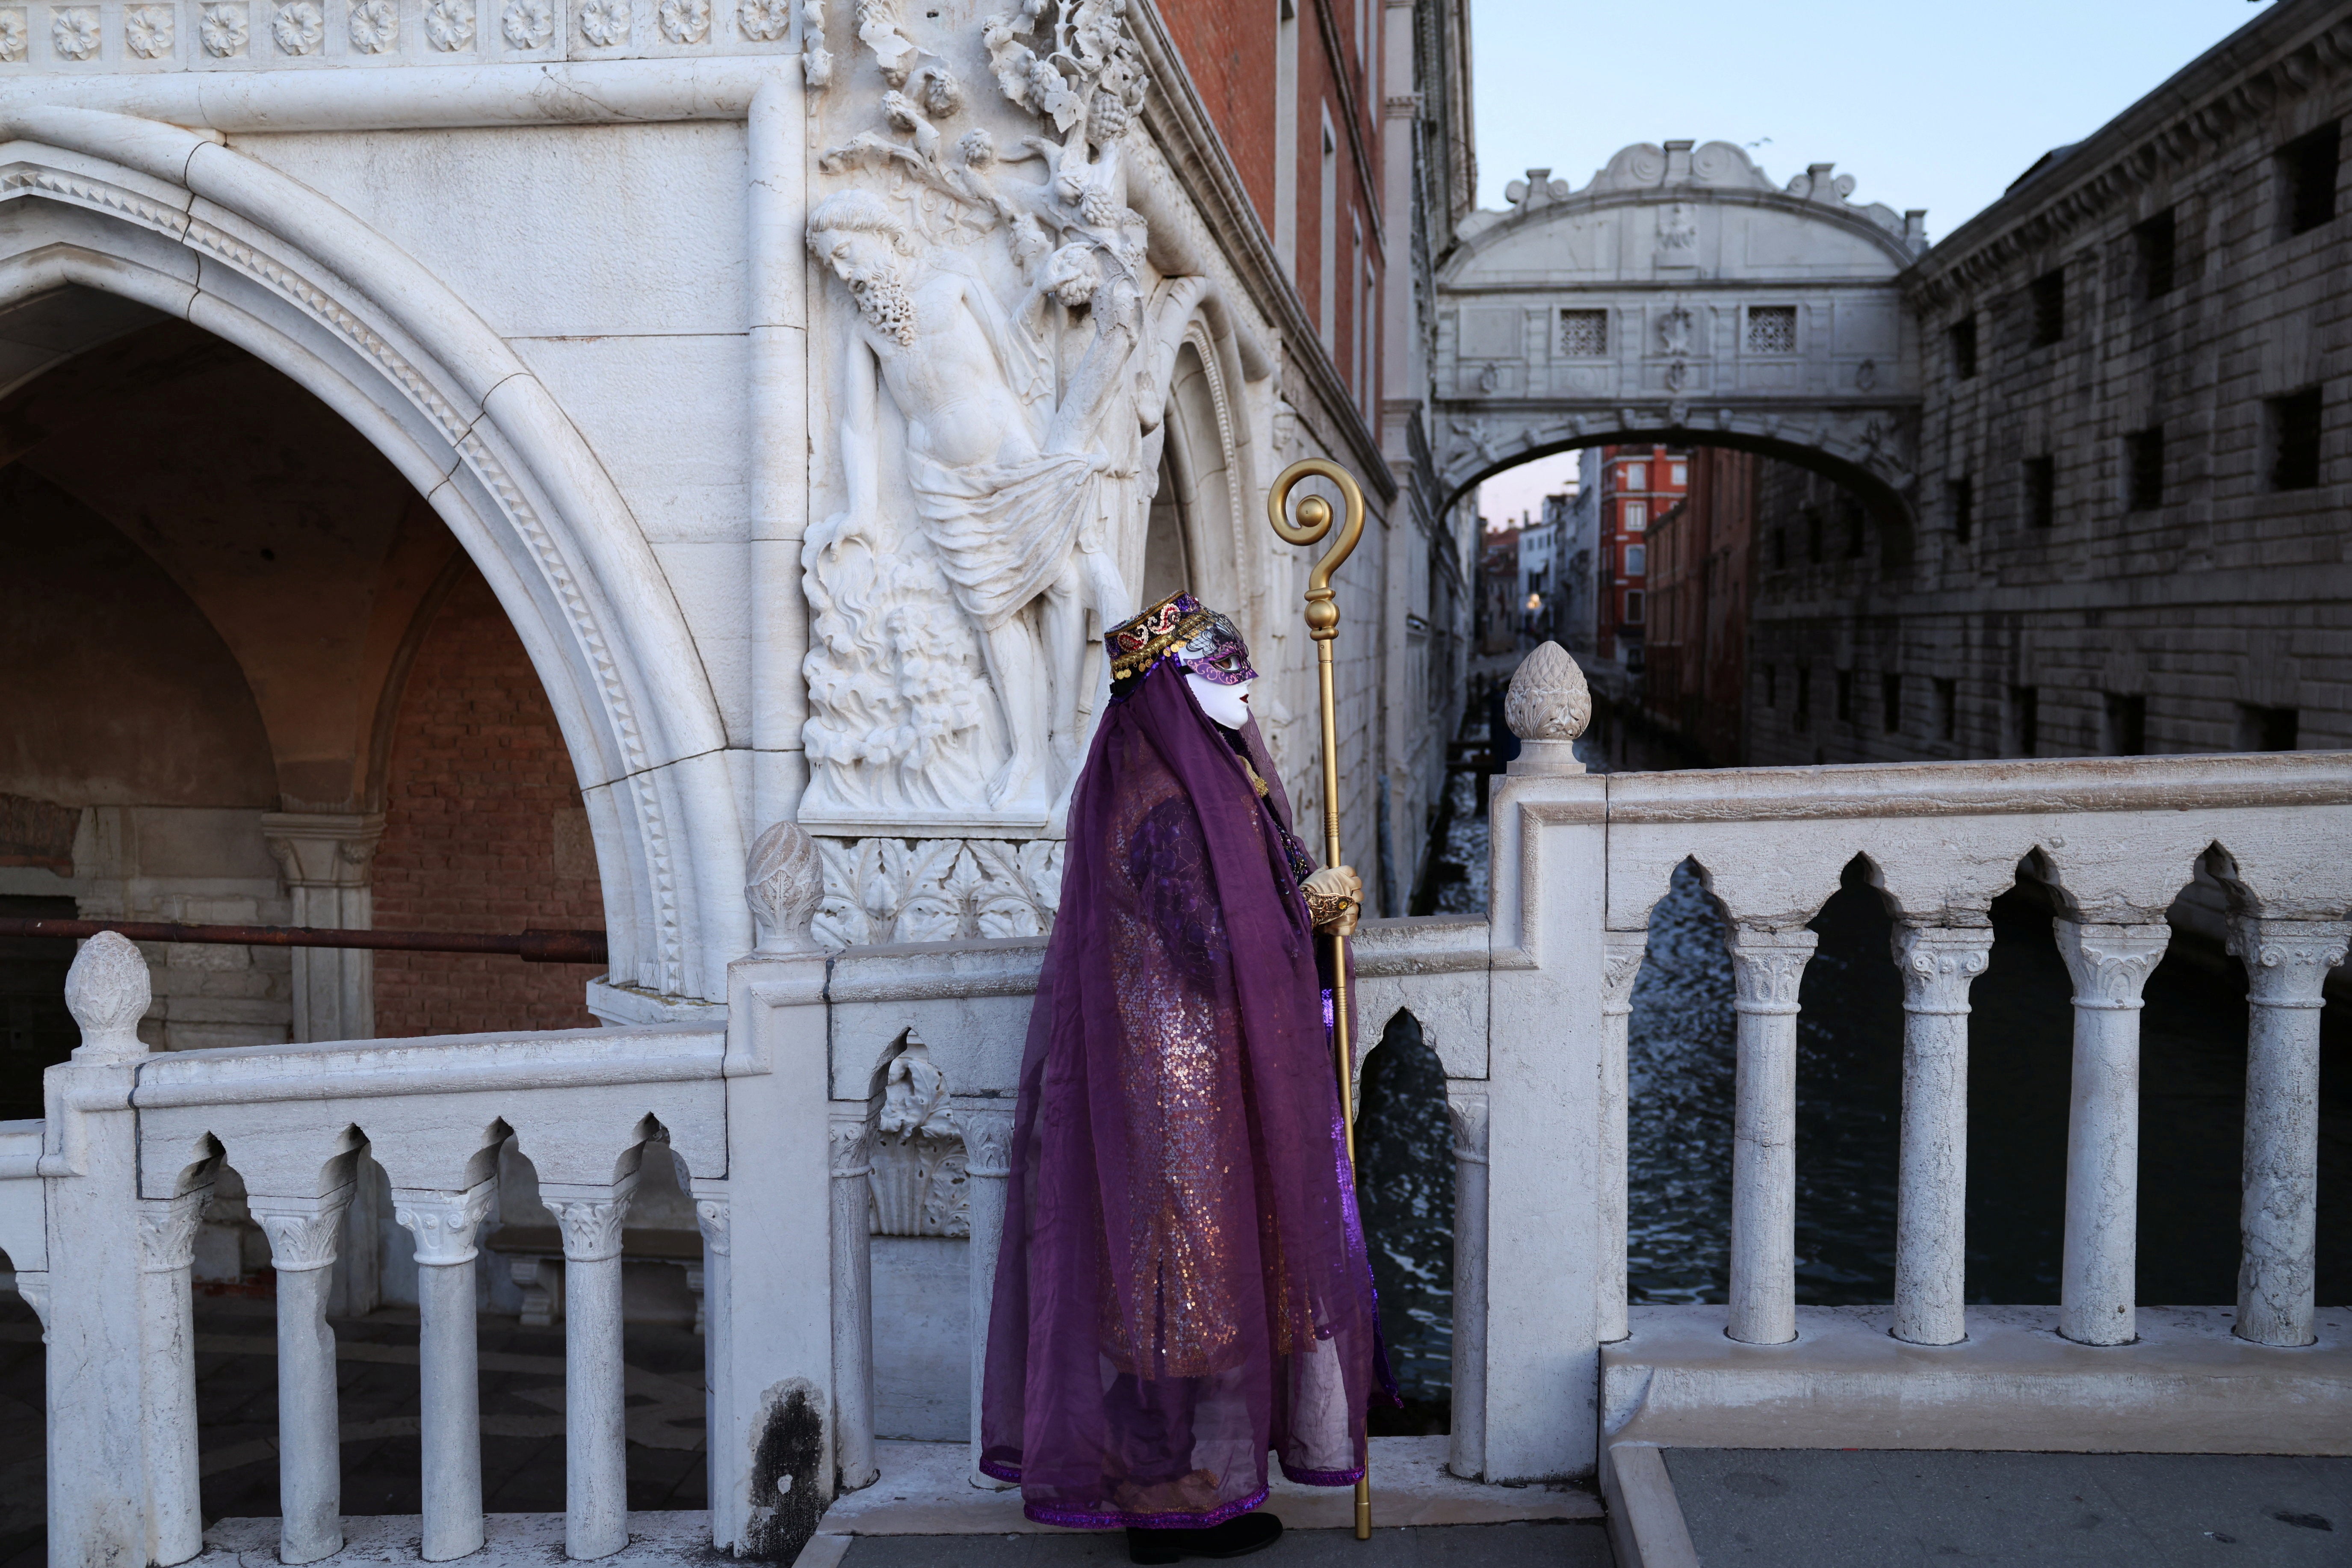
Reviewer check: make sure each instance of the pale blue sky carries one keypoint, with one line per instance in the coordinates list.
(1934, 106)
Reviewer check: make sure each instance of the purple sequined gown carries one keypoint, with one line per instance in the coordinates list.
(1183, 1286)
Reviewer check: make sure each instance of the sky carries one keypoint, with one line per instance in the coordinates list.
(1934, 106)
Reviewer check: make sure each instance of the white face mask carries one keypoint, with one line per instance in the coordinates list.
(1227, 705)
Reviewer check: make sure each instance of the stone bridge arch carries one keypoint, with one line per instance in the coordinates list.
(1683, 297)
(171, 219)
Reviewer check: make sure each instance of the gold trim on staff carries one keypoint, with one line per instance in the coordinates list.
(1314, 518)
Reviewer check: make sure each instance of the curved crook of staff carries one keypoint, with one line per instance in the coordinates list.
(1315, 521)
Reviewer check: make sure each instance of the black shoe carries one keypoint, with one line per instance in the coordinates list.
(1236, 1537)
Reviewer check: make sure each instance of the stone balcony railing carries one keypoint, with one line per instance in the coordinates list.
(774, 1124)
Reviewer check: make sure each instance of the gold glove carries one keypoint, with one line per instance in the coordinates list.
(1334, 897)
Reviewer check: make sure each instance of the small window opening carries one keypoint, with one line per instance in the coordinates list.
(2308, 164)
(2267, 729)
(1964, 509)
(2127, 724)
(2041, 493)
(2152, 243)
(1964, 349)
(2049, 298)
(1890, 703)
(1947, 708)
(2144, 470)
(2025, 716)
(2293, 439)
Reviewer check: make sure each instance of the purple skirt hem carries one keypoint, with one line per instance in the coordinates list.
(1000, 1472)
(1078, 1519)
(1322, 1477)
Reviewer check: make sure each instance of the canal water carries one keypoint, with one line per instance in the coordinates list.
(1849, 1086)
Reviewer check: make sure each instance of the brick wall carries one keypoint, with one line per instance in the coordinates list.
(483, 831)
(1229, 50)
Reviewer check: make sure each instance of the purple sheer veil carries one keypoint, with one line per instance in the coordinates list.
(1183, 1284)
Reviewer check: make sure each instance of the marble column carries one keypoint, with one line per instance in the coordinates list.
(1622, 955)
(1767, 966)
(328, 859)
(1939, 963)
(444, 1223)
(303, 1233)
(2110, 966)
(852, 1295)
(595, 1427)
(1467, 1448)
(2286, 971)
(167, 1246)
(988, 1155)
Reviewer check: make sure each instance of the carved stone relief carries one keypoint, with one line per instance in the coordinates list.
(919, 1174)
(886, 890)
(995, 337)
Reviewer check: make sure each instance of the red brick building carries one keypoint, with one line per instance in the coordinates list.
(1638, 484)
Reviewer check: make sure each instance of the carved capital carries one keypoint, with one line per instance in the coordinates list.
(1621, 953)
(589, 1215)
(710, 1214)
(323, 848)
(107, 991)
(1467, 1111)
(33, 1285)
(1768, 966)
(167, 1230)
(988, 1143)
(2287, 961)
(2110, 963)
(302, 1231)
(785, 883)
(1548, 700)
(853, 1147)
(1937, 964)
(444, 1223)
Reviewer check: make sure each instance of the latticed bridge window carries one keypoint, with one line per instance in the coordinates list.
(1583, 333)
(1772, 328)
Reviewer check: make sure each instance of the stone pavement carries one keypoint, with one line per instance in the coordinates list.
(1761, 1508)
(1527, 1544)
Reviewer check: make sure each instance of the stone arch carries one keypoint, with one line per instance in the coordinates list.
(174, 220)
(1681, 296)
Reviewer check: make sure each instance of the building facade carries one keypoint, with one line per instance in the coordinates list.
(1638, 484)
(1701, 572)
(2127, 529)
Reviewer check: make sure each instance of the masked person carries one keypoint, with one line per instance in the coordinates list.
(1183, 1286)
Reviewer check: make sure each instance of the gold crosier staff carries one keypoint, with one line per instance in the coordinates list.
(1323, 625)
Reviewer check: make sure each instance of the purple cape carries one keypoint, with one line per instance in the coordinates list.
(1182, 1285)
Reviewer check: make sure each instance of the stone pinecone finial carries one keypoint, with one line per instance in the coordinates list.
(107, 991)
(1548, 700)
(784, 885)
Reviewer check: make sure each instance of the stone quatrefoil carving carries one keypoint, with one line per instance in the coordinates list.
(374, 26)
(148, 30)
(224, 29)
(528, 24)
(300, 28)
(74, 31)
(605, 23)
(449, 24)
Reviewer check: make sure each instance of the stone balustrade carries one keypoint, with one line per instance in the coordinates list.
(779, 1121)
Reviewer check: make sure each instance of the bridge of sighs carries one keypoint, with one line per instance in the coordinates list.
(1683, 296)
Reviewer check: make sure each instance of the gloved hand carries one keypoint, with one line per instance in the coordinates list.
(1335, 895)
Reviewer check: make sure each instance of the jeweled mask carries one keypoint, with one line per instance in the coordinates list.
(1202, 641)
